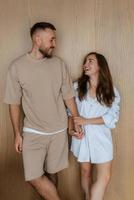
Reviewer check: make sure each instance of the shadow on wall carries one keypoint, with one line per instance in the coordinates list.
(12, 184)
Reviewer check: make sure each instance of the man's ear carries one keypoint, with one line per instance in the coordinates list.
(37, 39)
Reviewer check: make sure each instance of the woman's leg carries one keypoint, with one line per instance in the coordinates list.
(86, 178)
(103, 178)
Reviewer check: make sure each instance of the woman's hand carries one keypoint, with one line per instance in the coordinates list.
(78, 135)
(81, 121)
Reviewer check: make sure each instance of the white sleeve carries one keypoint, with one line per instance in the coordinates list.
(111, 117)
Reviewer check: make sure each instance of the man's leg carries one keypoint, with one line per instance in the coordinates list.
(45, 188)
(57, 156)
(34, 156)
(53, 178)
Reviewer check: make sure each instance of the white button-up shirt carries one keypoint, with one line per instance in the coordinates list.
(96, 146)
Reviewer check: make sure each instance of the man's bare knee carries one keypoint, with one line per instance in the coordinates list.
(53, 178)
(34, 182)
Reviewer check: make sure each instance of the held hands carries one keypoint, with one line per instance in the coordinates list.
(78, 135)
(18, 144)
(76, 131)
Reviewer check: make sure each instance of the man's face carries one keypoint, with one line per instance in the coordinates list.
(47, 42)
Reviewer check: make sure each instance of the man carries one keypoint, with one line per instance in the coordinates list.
(41, 83)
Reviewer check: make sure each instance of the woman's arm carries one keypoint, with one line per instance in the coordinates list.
(86, 121)
(109, 118)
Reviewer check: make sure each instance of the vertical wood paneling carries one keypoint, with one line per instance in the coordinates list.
(14, 41)
(82, 26)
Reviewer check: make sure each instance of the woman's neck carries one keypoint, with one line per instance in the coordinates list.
(93, 82)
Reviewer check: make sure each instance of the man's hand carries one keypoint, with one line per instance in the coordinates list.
(18, 143)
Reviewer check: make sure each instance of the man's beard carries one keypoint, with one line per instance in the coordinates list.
(45, 53)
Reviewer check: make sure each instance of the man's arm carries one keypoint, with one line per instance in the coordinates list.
(71, 105)
(15, 116)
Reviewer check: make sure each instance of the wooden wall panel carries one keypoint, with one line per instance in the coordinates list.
(14, 41)
(82, 26)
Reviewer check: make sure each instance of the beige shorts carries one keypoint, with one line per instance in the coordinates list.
(44, 153)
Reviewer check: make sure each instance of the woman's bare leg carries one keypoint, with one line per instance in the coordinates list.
(86, 178)
(103, 177)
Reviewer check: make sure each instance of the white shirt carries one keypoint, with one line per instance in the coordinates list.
(33, 131)
(96, 146)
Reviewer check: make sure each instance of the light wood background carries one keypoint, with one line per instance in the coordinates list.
(106, 26)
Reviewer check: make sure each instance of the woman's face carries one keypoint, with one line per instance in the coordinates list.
(91, 66)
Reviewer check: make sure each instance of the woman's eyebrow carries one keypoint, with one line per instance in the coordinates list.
(91, 59)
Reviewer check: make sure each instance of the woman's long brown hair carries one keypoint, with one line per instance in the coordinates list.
(105, 91)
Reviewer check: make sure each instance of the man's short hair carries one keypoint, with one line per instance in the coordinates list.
(41, 26)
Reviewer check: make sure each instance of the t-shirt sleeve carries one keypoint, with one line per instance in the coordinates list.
(75, 87)
(67, 86)
(13, 90)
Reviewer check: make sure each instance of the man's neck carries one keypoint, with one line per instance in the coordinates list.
(36, 54)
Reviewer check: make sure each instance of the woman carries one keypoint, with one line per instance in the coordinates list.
(98, 105)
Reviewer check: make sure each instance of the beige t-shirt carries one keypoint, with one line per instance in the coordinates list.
(41, 86)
